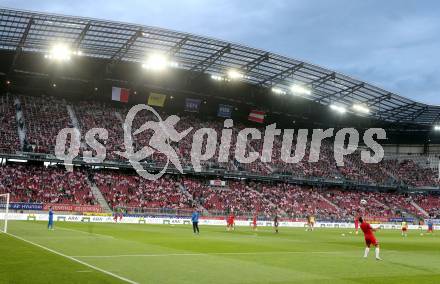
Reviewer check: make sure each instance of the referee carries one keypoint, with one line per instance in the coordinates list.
(195, 221)
(275, 223)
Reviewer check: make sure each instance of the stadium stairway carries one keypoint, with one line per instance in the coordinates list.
(185, 192)
(74, 121)
(121, 120)
(98, 196)
(329, 202)
(420, 209)
(391, 175)
(21, 127)
(266, 165)
(73, 117)
(119, 117)
(381, 203)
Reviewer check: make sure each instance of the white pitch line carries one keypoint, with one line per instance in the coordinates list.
(84, 232)
(74, 259)
(208, 254)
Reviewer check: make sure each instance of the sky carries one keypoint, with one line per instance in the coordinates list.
(394, 44)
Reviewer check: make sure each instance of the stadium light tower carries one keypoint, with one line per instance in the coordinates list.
(361, 108)
(158, 62)
(337, 108)
(300, 90)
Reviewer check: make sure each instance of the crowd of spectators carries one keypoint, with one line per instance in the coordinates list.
(410, 173)
(378, 204)
(39, 184)
(100, 115)
(44, 116)
(9, 142)
(429, 203)
(356, 170)
(133, 191)
(33, 183)
(294, 200)
(237, 196)
(299, 201)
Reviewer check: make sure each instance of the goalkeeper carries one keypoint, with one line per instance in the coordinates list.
(50, 223)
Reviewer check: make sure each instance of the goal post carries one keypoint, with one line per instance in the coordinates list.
(4, 209)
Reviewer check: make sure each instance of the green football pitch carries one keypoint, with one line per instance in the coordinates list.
(132, 253)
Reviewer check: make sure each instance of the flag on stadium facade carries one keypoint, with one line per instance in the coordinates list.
(192, 105)
(155, 99)
(257, 116)
(224, 111)
(120, 94)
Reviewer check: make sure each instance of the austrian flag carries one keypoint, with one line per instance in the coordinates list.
(120, 94)
(257, 116)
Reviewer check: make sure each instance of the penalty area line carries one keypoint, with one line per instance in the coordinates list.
(208, 254)
(84, 232)
(74, 259)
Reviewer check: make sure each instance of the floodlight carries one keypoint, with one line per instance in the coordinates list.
(437, 127)
(173, 64)
(59, 52)
(217, 78)
(301, 90)
(234, 74)
(278, 91)
(337, 108)
(17, 160)
(361, 108)
(158, 62)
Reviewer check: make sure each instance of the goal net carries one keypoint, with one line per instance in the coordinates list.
(4, 208)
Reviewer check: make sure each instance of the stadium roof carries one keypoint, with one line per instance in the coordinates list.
(24, 31)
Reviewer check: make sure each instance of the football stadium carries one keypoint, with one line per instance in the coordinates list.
(138, 154)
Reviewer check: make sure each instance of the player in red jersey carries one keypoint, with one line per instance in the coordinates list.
(233, 221)
(369, 238)
(254, 222)
(230, 222)
(356, 225)
(430, 226)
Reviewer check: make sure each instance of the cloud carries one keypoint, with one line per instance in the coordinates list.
(393, 44)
